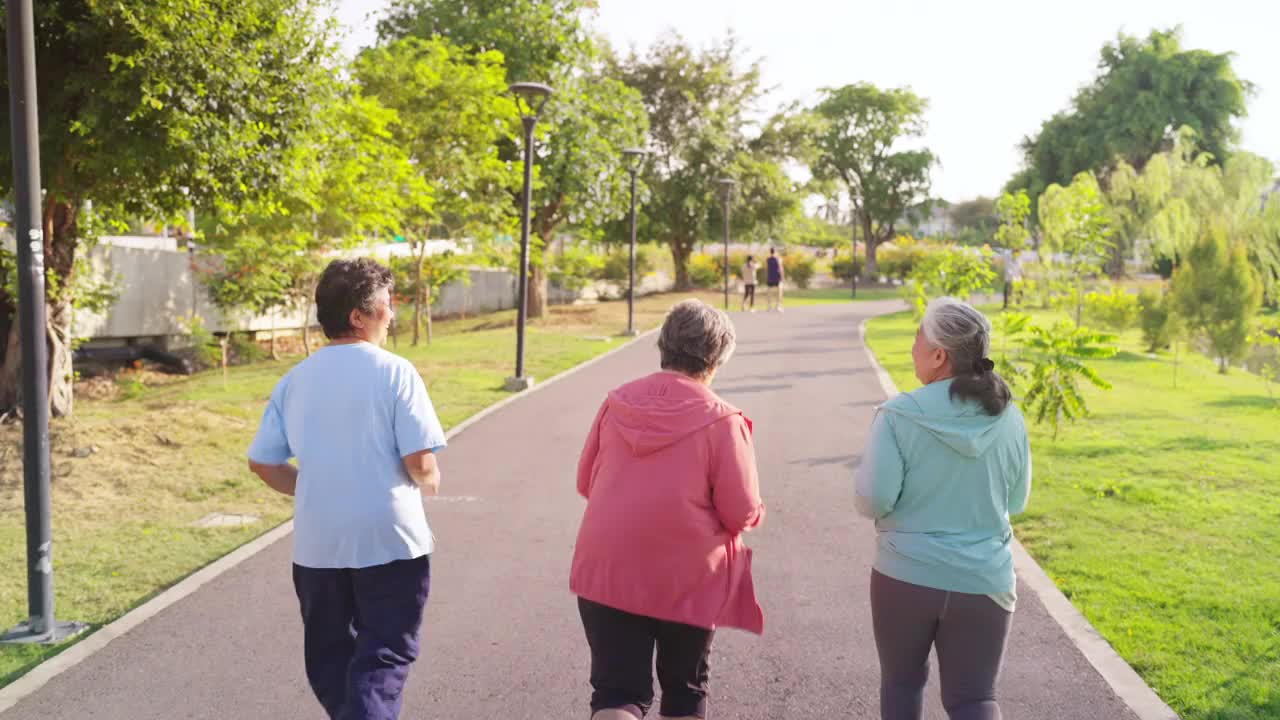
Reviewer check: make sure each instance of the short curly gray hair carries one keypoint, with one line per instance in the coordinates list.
(696, 338)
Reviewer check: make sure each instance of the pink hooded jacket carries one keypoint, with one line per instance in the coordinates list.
(669, 474)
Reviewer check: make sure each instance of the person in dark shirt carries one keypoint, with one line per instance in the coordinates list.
(773, 273)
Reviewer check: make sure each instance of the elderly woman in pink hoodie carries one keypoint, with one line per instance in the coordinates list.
(669, 474)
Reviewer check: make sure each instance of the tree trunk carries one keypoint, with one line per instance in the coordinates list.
(11, 372)
(420, 257)
(680, 252)
(537, 291)
(427, 303)
(275, 354)
(306, 328)
(870, 268)
(61, 236)
(538, 273)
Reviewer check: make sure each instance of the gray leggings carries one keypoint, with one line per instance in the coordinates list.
(969, 632)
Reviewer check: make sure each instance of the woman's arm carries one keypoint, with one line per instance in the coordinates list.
(878, 479)
(1020, 491)
(424, 470)
(281, 478)
(735, 486)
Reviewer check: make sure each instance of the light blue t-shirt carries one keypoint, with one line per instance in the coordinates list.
(349, 414)
(941, 478)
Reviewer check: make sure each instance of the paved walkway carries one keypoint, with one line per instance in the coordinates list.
(502, 637)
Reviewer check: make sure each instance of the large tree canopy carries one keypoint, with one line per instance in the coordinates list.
(150, 106)
(583, 128)
(699, 104)
(1145, 91)
(857, 144)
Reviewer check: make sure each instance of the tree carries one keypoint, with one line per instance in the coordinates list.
(1145, 90)
(698, 103)
(344, 178)
(1217, 294)
(584, 126)
(1076, 223)
(137, 118)
(975, 220)
(1266, 338)
(858, 143)
(1180, 194)
(421, 276)
(950, 271)
(453, 111)
(1057, 358)
(256, 275)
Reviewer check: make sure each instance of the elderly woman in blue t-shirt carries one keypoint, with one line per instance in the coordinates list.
(943, 469)
(360, 423)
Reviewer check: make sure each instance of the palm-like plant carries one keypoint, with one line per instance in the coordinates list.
(1010, 329)
(1057, 357)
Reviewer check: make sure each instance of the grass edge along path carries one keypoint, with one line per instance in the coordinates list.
(1157, 518)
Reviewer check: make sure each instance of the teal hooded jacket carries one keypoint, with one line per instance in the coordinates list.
(941, 478)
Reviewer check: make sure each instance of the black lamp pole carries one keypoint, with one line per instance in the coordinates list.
(530, 98)
(633, 157)
(726, 187)
(40, 626)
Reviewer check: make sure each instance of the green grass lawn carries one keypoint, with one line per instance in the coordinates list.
(173, 452)
(1159, 517)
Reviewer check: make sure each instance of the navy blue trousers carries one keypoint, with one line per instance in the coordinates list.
(360, 629)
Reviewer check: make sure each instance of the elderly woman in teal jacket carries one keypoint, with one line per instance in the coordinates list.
(944, 468)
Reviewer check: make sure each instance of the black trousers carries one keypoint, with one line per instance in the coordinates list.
(360, 634)
(622, 655)
(749, 294)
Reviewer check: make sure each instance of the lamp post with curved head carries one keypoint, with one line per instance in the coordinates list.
(530, 99)
(633, 157)
(726, 189)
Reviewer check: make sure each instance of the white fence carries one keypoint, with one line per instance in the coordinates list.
(158, 290)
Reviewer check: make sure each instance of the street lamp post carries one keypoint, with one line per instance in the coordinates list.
(633, 158)
(726, 189)
(40, 626)
(530, 98)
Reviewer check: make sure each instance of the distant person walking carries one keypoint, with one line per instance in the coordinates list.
(669, 474)
(774, 278)
(944, 468)
(749, 271)
(360, 423)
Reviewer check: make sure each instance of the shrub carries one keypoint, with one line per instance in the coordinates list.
(616, 262)
(844, 267)
(1117, 309)
(204, 347)
(244, 349)
(576, 266)
(1156, 319)
(1216, 292)
(706, 271)
(799, 268)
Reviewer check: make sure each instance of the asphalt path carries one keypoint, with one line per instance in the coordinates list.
(502, 636)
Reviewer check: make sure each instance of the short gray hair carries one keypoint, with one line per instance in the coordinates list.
(696, 338)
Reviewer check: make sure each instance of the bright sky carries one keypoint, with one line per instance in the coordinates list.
(993, 70)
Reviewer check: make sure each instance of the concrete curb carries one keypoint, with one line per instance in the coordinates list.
(41, 674)
(1122, 678)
